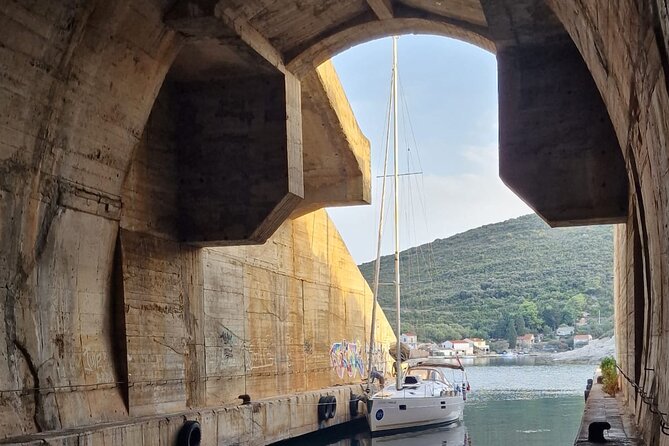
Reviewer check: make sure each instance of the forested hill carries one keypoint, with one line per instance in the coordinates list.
(515, 276)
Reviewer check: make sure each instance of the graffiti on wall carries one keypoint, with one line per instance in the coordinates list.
(227, 338)
(261, 353)
(346, 358)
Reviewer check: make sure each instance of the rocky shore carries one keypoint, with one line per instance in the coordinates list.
(591, 353)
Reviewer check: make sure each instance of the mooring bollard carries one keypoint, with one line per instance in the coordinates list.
(588, 387)
(596, 431)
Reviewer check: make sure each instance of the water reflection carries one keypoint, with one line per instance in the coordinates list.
(357, 433)
(454, 435)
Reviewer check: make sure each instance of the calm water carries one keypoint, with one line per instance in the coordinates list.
(524, 401)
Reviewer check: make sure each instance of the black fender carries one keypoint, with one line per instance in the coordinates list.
(189, 434)
(332, 406)
(323, 405)
(353, 405)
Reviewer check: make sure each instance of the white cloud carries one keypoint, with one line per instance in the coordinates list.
(452, 204)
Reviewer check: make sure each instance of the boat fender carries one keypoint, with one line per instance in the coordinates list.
(331, 407)
(189, 434)
(323, 404)
(353, 404)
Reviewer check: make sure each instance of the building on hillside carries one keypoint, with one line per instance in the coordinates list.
(410, 339)
(479, 345)
(581, 322)
(461, 348)
(525, 341)
(581, 340)
(564, 330)
(444, 353)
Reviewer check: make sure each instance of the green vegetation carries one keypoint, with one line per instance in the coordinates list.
(516, 276)
(609, 375)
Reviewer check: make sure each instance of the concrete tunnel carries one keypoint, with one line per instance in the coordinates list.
(163, 169)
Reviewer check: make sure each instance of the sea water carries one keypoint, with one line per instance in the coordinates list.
(519, 401)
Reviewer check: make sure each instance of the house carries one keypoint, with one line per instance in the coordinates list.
(410, 339)
(479, 345)
(460, 347)
(581, 322)
(525, 341)
(564, 330)
(445, 353)
(581, 340)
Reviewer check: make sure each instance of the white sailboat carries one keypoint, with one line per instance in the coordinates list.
(422, 396)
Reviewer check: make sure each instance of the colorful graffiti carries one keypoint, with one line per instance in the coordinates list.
(345, 357)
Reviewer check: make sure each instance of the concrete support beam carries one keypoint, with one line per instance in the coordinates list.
(336, 153)
(238, 119)
(240, 157)
(558, 150)
(212, 18)
(382, 8)
(557, 147)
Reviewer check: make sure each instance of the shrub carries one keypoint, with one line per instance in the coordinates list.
(609, 375)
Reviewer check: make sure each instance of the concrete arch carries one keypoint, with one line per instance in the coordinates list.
(303, 60)
(79, 81)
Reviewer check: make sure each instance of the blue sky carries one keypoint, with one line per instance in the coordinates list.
(450, 91)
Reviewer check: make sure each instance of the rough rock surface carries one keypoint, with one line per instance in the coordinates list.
(591, 353)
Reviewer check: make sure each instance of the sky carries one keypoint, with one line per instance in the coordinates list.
(448, 90)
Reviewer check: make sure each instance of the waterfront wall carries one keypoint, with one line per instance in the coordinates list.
(624, 44)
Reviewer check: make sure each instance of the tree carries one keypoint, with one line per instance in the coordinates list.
(511, 333)
(577, 302)
(520, 325)
(551, 316)
(530, 313)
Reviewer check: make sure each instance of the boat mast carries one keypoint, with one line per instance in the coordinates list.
(377, 266)
(398, 371)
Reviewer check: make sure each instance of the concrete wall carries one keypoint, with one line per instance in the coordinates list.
(624, 45)
(105, 315)
(78, 83)
(97, 284)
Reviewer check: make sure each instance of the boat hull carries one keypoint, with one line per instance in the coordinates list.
(396, 414)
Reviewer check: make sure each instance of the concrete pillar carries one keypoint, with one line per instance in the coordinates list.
(557, 147)
(240, 156)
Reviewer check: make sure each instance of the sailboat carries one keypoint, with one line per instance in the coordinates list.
(423, 395)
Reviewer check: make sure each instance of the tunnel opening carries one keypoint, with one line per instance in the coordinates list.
(79, 84)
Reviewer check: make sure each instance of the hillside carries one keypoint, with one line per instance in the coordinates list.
(497, 280)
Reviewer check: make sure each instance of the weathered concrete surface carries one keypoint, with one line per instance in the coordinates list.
(259, 423)
(77, 309)
(90, 201)
(624, 46)
(557, 147)
(336, 153)
(205, 326)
